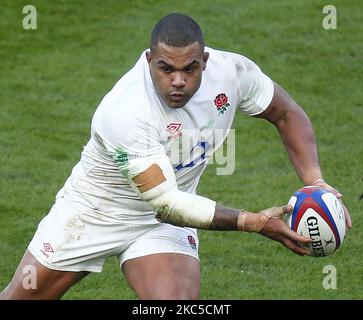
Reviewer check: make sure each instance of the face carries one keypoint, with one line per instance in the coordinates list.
(177, 72)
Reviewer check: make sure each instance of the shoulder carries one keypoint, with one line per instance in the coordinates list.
(122, 109)
(122, 114)
(125, 111)
(129, 126)
(239, 61)
(128, 100)
(230, 66)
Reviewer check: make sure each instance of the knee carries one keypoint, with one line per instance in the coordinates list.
(5, 293)
(174, 294)
(185, 296)
(2, 295)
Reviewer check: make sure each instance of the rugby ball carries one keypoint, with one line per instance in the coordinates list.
(318, 215)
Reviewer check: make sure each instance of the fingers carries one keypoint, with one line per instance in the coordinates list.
(291, 240)
(327, 187)
(294, 247)
(338, 194)
(277, 212)
(278, 230)
(348, 220)
(292, 235)
(287, 208)
(289, 234)
(333, 191)
(324, 185)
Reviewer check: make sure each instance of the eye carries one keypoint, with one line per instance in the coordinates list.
(190, 69)
(167, 69)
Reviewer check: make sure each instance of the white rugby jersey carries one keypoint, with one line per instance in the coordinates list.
(131, 122)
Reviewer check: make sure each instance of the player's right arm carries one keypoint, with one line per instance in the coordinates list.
(158, 187)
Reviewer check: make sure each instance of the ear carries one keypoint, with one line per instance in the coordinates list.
(148, 56)
(205, 59)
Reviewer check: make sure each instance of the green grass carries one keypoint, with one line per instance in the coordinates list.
(53, 78)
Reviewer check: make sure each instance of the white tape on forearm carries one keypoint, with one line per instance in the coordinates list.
(184, 209)
(174, 206)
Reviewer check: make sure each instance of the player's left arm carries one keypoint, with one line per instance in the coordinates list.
(298, 136)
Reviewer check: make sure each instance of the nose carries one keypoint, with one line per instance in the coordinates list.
(178, 80)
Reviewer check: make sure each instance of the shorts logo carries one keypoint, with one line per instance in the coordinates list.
(47, 247)
(192, 242)
(173, 128)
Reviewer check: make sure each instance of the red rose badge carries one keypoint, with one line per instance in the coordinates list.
(221, 102)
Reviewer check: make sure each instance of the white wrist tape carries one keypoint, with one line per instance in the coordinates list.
(157, 186)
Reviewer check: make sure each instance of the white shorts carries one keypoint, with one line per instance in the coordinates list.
(65, 241)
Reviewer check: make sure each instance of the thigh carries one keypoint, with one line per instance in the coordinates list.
(164, 276)
(162, 262)
(34, 281)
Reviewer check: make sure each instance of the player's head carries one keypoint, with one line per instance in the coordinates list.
(176, 58)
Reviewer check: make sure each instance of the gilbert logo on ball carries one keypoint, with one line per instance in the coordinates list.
(318, 215)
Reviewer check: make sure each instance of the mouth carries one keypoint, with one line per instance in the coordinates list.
(177, 96)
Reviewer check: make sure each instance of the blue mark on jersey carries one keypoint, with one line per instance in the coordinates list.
(203, 144)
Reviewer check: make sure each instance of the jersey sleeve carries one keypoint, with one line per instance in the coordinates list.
(256, 89)
(132, 140)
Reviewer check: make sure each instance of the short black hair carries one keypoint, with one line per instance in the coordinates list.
(176, 30)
